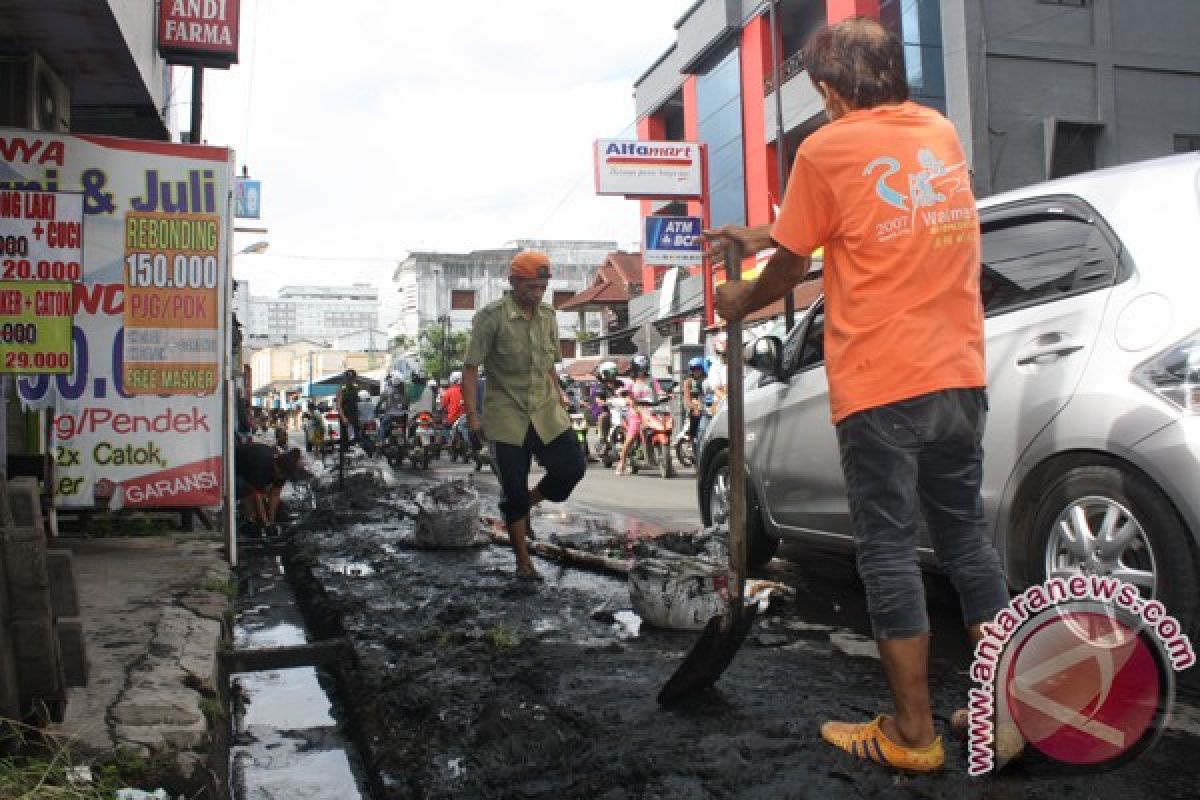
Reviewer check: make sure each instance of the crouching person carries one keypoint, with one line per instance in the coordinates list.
(524, 411)
(260, 473)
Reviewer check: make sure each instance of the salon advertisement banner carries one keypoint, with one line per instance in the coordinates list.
(137, 419)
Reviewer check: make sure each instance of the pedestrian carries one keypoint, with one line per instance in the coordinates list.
(903, 354)
(524, 411)
(260, 472)
(347, 406)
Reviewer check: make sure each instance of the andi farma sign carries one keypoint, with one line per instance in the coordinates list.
(649, 169)
(199, 32)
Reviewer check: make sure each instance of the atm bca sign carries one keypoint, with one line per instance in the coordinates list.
(649, 169)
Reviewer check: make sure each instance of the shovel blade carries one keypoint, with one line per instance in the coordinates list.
(709, 656)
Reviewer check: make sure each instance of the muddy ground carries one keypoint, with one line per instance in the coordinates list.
(466, 684)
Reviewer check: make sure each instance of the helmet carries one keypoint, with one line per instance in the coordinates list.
(640, 365)
(432, 384)
(396, 379)
(363, 394)
(455, 377)
(607, 371)
(698, 363)
(722, 343)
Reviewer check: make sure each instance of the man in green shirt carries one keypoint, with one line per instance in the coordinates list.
(524, 411)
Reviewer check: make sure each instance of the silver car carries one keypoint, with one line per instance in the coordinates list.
(1091, 286)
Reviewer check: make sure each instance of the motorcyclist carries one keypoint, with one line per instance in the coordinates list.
(393, 405)
(454, 407)
(693, 398)
(641, 392)
(718, 374)
(610, 384)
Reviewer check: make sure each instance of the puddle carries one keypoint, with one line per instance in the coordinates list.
(288, 744)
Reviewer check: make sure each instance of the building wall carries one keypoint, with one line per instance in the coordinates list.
(1036, 88)
(320, 313)
(1126, 73)
(427, 281)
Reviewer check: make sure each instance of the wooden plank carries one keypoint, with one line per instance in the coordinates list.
(313, 654)
(569, 555)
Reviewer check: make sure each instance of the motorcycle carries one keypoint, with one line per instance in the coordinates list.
(685, 448)
(579, 424)
(656, 434)
(424, 440)
(397, 444)
(368, 433)
(460, 445)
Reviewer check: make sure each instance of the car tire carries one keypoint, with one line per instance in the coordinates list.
(1158, 542)
(760, 545)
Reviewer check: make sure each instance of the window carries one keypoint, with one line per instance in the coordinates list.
(1042, 257)
(566, 348)
(462, 299)
(561, 297)
(812, 345)
(1187, 142)
(1072, 3)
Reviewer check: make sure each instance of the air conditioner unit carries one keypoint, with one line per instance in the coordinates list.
(37, 98)
(49, 98)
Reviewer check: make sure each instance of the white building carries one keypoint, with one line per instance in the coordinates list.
(319, 313)
(458, 284)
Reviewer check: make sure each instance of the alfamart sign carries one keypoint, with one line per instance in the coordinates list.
(649, 169)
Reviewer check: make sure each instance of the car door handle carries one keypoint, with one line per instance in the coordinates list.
(1048, 347)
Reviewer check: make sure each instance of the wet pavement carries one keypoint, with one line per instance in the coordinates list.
(466, 683)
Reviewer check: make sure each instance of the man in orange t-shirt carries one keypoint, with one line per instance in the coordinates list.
(885, 189)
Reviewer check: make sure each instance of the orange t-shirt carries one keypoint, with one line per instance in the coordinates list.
(886, 191)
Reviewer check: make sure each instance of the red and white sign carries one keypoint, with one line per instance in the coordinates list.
(200, 32)
(662, 170)
(142, 407)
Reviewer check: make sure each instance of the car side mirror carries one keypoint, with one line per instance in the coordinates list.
(765, 354)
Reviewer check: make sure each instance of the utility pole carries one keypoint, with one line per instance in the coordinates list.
(444, 319)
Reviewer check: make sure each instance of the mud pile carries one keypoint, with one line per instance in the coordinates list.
(466, 684)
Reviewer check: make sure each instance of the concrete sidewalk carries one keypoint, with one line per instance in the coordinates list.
(154, 612)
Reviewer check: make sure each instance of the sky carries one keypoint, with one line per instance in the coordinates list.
(380, 127)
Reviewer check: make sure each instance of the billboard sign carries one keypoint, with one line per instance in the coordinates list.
(673, 241)
(649, 169)
(138, 419)
(199, 32)
(41, 259)
(247, 198)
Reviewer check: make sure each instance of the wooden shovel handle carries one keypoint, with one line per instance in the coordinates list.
(737, 438)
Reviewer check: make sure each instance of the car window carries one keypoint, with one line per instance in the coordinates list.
(806, 347)
(1041, 257)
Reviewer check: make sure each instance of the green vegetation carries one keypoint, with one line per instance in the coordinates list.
(46, 769)
(436, 362)
(502, 636)
(227, 587)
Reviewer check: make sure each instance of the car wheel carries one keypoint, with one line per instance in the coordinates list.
(1104, 520)
(760, 546)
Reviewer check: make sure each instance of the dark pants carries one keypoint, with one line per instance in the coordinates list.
(921, 454)
(562, 459)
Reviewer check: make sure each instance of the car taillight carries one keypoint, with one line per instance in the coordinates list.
(1174, 374)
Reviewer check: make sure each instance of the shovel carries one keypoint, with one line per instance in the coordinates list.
(723, 635)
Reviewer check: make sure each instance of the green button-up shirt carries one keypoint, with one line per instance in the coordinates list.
(518, 356)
